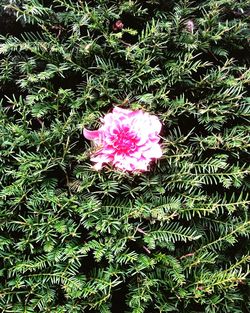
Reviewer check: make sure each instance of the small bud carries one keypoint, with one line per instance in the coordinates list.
(118, 25)
(87, 47)
(190, 26)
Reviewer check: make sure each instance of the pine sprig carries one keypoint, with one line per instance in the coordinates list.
(172, 239)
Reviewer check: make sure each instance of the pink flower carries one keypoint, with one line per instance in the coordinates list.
(128, 140)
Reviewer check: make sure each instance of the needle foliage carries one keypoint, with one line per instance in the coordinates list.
(173, 239)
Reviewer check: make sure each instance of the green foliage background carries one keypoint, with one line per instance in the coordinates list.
(174, 239)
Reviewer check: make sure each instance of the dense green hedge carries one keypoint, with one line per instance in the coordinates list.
(173, 239)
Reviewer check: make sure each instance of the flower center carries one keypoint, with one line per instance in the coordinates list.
(124, 140)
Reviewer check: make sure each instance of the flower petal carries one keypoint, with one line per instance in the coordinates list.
(97, 166)
(154, 152)
(155, 124)
(91, 134)
(121, 111)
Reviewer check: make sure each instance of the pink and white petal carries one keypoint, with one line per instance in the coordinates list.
(119, 166)
(155, 124)
(118, 110)
(146, 146)
(108, 119)
(154, 152)
(115, 127)
(97, 166)
(127, 164)
(142, 166)
(135, 115)
(91, 134)
(143, 138)
(101, 158)
(118, 158)
(154, 138)
(108, 151)
(109, 140)
(136, 154)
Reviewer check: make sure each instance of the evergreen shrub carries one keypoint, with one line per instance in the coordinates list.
(172, 239)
